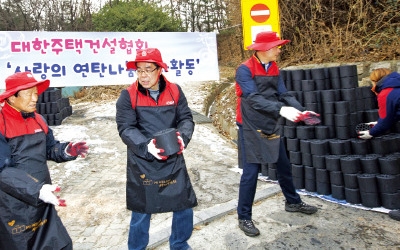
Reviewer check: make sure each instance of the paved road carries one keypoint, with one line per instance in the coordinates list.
(96, 216)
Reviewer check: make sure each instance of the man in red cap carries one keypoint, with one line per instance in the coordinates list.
(156, 182)
(262, 100)
(28, 219)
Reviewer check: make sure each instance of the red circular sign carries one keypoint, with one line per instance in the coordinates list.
(260, 13)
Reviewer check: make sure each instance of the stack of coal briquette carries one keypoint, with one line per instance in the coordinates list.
(53, 107)
(328, 158)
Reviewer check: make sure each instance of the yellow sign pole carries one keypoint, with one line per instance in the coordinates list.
(257, 16)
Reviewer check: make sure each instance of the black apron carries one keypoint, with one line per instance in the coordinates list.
(260, 125)
(25, 225)
(158, 186)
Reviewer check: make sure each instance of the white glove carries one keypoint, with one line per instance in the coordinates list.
(180, 142)
(364, 135)
(371, 124)
(152, 149)
(309, 112)
(46, 194)
(77, 149)
(290, 113)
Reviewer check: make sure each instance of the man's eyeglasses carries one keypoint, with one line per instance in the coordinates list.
(147, 71)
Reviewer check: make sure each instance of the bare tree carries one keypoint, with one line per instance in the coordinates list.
(200, 15)
(49, 15)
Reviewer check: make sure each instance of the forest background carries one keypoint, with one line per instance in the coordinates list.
(320, 30)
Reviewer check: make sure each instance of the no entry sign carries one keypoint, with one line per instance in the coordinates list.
(259, 13)
(258, 16)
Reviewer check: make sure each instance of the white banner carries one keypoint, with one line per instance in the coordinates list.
(98, 58)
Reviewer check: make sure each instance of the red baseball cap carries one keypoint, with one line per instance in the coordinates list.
(147, 55)
(266, 40)
(20, 81)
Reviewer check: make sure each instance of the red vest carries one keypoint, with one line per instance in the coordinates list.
(169, 96)
(256, 69)
(12, 124)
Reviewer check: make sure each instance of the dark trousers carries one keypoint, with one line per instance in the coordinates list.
(248, 181)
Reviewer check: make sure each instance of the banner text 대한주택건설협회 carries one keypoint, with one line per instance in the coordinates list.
(99, 58)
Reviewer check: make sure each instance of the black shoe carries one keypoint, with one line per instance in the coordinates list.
(248, 228)
(395, 214)
(300, 207)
